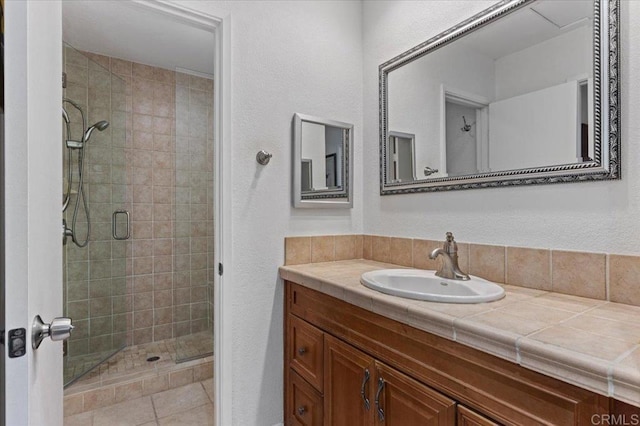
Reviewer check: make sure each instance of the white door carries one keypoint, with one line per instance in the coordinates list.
(33, 197)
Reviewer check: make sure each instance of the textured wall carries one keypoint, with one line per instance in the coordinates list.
(601, 216)
(287, 57)
(155, 160)
(95, 276)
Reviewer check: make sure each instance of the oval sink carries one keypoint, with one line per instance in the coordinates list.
(425, 285)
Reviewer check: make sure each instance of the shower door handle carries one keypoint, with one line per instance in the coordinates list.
(114, 226)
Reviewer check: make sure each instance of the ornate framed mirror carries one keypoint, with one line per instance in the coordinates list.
(322, 163)
(525, 92)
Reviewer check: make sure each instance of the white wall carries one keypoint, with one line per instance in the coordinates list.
(334, 138)
(535, 129)
(414, 96)
(461, 146)
(593, 216)
(287, 57)
(545, 64)
(313, 148)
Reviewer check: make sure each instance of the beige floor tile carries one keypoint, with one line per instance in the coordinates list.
(132, 360)
(208, 387)
(82, 419)
(180, 399)
(200, 416)
(134, 412)
(153, 423)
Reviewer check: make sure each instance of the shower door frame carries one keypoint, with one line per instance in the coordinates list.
(218, 22)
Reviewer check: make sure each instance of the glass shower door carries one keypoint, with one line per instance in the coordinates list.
(95, 286)
(194, 270)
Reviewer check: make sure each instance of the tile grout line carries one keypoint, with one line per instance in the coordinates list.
(611, 367)
(506, 267)
(607, 277)
(153, 405)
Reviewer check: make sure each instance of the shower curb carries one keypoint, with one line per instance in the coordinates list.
(80, 398)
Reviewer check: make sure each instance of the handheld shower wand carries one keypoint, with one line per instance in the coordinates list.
(80, 146)
(100, 125)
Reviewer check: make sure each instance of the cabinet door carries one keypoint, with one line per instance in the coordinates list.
(466, 417)
(347, 385)
(305, 403)
(403, 401)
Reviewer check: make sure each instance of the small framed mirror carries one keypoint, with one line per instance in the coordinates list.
(322, 163)
(524, 92)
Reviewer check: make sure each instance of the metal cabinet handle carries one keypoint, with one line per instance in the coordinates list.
(365, 380)
(378, 407)
(301, 410)
(302, 350)
(114, 227)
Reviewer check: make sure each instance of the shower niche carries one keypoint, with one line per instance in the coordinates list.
(144, 279)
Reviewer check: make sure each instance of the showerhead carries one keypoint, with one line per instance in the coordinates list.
(100, 125)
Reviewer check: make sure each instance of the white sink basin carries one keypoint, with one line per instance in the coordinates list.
(425, 285)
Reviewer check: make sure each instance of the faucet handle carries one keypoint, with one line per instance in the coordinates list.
(450, 245)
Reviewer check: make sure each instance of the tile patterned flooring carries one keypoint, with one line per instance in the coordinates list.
(133, 359)
(127, 390)
(190, 405)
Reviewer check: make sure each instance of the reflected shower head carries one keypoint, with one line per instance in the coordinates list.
(100, 125)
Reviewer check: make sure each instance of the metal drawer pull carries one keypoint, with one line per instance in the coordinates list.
(365, 380)
(380, 410)
(302, 350)
(301, 410)
(114, 227)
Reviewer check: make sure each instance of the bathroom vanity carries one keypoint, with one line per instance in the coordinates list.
(356, 357)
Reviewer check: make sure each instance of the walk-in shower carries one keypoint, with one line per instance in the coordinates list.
(144, 170)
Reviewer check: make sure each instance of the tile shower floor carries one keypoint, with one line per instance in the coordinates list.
(128, 390)
(133, 359)
(190, 405)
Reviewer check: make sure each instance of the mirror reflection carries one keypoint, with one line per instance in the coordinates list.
(322, 158)
(514, 94)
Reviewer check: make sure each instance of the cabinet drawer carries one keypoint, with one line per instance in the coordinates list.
(305, 404)
(305, 351)
(467, 417)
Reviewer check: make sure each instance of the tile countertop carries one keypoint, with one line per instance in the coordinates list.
(590, 343)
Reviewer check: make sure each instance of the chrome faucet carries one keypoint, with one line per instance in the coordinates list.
(449, 267)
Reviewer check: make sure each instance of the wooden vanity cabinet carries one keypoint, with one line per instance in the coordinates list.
(466, 417)
(401, 400)
(345, 365)
(360, 390)
(348, 385)
(305, 404)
